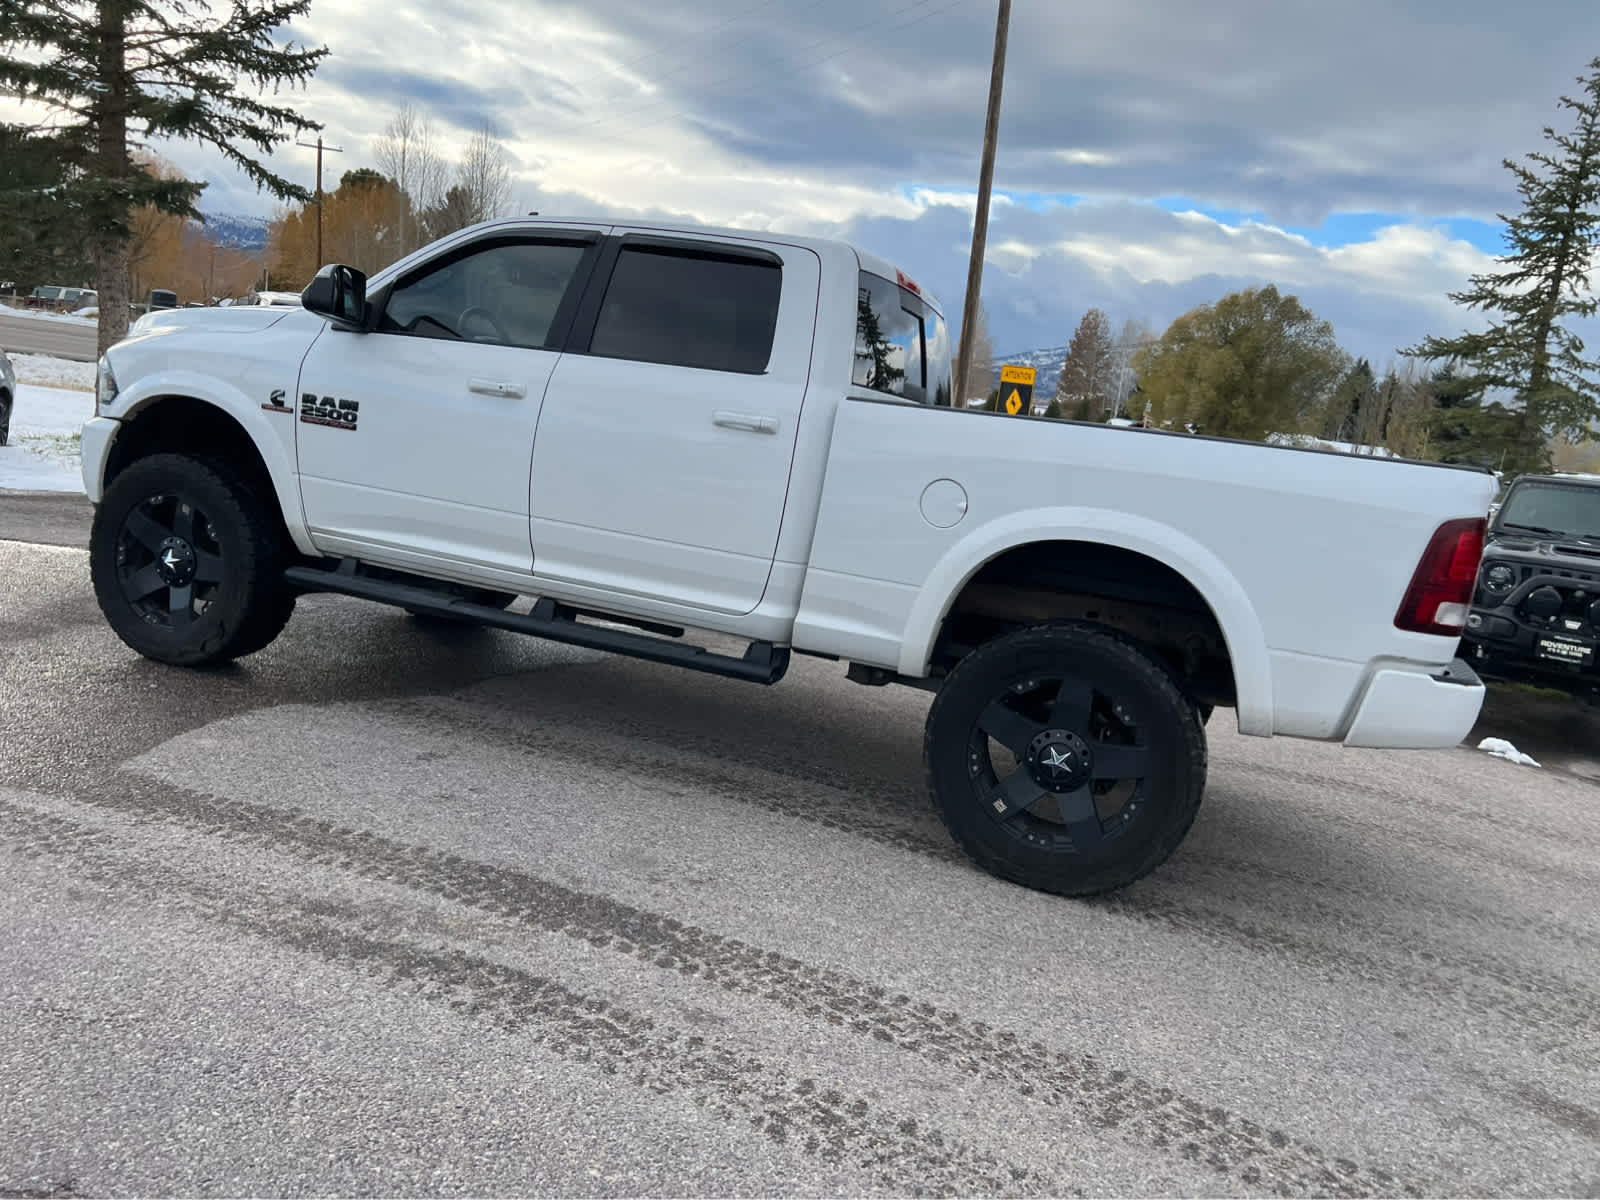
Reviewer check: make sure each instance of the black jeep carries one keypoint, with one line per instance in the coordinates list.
(1536, 613)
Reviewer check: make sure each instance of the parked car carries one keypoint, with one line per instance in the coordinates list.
(161, 298)
(270, 300)
(8, 393)
(752, 435)
(1536, 611)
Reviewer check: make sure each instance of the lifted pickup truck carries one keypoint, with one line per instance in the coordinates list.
(612, 435)
(1536, 614)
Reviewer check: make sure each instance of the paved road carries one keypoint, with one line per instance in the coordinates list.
(55, 518)
(389, 910)
(30, 335)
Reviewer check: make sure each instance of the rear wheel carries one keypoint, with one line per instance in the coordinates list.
(1064, 759)
(188, 563)
(5, 419)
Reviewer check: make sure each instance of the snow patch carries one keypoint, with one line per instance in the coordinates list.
(53, 372)
(34, 314)
(1500, 748)
(1302, 441)
(46, 453)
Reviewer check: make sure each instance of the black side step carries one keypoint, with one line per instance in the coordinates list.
(762, 662)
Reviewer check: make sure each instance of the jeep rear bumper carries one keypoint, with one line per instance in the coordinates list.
(1410, 708)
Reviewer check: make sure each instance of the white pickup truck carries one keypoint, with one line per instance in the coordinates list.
(612, 435)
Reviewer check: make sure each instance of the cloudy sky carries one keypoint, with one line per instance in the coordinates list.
(1154, 154)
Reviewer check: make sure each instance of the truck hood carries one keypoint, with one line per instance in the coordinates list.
(1574, 551)
(248, 319)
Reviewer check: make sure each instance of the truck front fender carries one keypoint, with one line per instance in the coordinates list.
(1241, 627)
(271, 433)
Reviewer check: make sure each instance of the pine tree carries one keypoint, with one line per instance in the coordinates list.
(1465, 430)
(1086, 377)
(114, 74)
(874, 351)
(1554, 240)
(1349, 398)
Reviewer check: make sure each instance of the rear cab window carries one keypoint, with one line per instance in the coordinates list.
(710, 307)
(902, 342)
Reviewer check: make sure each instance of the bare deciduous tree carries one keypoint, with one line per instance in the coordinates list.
(485, 176)
(407, 154)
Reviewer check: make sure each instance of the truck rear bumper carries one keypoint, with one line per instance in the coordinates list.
(1413, 709)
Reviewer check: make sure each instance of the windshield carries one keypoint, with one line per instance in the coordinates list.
(1552, 509)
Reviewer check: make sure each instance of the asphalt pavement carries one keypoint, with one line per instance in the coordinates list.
(22, 334)
(385, 909)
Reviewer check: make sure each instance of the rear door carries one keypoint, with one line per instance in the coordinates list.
(661, 466)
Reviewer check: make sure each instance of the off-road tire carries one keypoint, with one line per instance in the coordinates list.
(1133, 705)
(247, 605)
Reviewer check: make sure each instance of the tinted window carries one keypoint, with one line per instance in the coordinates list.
(902, 344)
(689, 308)
(504, 294)
(941, 382)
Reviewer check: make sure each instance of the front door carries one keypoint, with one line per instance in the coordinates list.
(415, 440)
(661, 467)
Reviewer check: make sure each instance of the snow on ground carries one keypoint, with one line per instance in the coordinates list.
(1301, 441)
(37, 314)
(45, 451)
(53, 372)
(1500, 748)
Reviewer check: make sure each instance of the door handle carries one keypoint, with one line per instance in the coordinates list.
(493, 387)
(749, 422)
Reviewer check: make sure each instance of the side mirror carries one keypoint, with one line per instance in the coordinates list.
(338, 293)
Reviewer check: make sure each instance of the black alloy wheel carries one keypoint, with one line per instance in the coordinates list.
(170, 563)
(187, 561)
(1064, 758)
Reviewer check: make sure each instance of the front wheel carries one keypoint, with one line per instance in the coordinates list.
(5, 419)
(187, 563)
(1063, 758)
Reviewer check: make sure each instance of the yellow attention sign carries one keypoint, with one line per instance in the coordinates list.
(1016, 388)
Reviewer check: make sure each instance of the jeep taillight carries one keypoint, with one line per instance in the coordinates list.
(1440, 595)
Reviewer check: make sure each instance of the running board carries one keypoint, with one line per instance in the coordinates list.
(762, 663)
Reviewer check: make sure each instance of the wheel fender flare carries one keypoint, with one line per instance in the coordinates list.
(231, 400)
(1241, 627)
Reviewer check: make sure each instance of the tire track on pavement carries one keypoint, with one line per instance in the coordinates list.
(1482, 984)
(804, 1113)
(1107, 1098)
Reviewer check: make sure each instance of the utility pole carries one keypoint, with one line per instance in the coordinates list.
(332, 150)
(980, 231)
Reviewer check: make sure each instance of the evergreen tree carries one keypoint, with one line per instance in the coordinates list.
(1527, 350)
(1463, 429)
(39, 237)
(873, 350)
(1086, 377)
(116, 73)
(1349, 398)
(1053, 410)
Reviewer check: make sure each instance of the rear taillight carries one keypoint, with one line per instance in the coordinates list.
(1440, 595)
